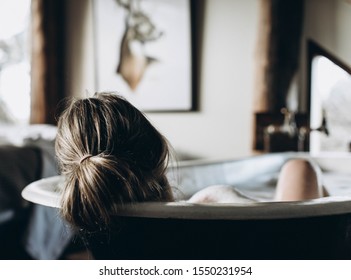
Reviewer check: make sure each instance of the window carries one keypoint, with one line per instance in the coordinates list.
(14, 61)
(330, 103)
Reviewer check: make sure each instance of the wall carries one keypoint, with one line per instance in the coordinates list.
(222, 128)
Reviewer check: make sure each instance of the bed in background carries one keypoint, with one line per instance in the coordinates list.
(26, 155)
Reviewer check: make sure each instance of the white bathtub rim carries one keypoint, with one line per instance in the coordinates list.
(45, 192)
(232, 211)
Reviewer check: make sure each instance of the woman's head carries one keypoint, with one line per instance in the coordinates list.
(110, 155)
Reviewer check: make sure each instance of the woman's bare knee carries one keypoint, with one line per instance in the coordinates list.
(299, 179)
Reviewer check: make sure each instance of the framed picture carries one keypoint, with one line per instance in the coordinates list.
(144, 52)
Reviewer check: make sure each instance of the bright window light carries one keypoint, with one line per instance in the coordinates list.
(330, 99)
(14, 61)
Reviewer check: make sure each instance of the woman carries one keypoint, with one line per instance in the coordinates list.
(110, 155)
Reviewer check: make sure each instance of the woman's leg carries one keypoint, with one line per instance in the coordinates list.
(299, 179)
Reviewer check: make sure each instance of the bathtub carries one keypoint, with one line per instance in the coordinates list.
(313, 229)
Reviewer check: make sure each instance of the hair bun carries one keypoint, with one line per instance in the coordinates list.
(85, 158)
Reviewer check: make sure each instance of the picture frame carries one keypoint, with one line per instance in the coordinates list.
(144, 51)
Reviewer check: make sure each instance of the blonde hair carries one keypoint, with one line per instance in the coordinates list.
(110, 155)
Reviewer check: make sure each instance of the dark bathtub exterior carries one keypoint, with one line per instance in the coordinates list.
(322, 238)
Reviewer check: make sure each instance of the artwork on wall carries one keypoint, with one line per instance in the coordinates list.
(144, 52)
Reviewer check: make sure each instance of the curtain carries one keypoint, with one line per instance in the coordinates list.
(277, 52)
(47, 59)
